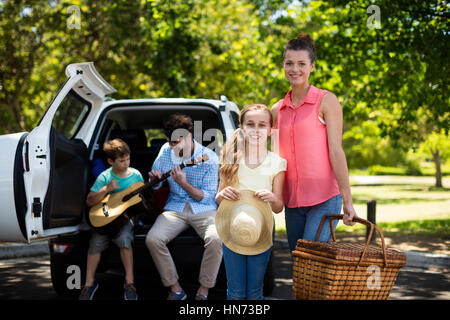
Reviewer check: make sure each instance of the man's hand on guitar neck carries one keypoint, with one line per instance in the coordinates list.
(154, 175)
(179, 176)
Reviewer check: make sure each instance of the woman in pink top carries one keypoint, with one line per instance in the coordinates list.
(309, 123)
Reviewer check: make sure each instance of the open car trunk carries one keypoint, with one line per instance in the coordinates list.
(141, 127)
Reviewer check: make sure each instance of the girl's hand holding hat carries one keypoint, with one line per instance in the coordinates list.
(229, 193)
(265, 195)
(274, 199)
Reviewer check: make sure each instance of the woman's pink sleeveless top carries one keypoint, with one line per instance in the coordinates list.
(302, 141)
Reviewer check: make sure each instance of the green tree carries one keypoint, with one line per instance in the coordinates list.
(365, 147)
(397, 74)
(38, 39)
(403, 62)
(437, 145)
(22, 26)
(148, 48)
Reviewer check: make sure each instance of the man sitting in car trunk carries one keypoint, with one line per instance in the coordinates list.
(191, 202)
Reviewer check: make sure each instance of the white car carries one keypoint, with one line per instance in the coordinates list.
(46, 174)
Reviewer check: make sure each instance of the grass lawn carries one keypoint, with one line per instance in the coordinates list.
(410, 227)
(400, 199)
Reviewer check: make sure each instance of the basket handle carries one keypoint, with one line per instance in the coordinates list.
(359, 220)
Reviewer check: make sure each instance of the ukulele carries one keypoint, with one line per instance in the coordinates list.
(108, 215)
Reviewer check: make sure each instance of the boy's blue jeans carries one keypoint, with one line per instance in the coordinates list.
(303, 222)
(245, 274)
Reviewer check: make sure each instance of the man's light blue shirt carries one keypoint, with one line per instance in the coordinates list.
(203, 176)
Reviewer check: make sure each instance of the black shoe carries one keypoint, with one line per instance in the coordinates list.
(129, 292)
(87, 293)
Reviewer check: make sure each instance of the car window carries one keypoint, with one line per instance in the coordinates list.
(70, 115)
(154, 134)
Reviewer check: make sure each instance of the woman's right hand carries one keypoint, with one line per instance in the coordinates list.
(229, 193)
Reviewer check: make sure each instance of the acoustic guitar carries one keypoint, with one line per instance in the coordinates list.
(108, 216)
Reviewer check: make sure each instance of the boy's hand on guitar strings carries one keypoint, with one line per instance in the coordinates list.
(112, 185)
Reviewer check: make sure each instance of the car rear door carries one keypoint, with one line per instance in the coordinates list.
(51, 164)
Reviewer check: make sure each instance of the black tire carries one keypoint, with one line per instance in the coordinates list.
(59, 275)
(60, 262)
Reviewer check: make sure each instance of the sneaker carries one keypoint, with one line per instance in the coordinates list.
(177, 296)
(87, 292)
(129, 292)
(200, 296)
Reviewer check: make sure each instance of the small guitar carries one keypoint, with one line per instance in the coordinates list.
(114, 205)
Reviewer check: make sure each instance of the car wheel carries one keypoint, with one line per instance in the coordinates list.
(67, 273)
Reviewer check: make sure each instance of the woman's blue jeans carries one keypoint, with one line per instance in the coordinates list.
(303, 222)
(245, 274)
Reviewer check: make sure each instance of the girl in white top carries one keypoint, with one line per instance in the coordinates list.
(247, 164)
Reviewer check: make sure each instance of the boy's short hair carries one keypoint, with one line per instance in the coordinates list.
(177, 121)
(116, 148)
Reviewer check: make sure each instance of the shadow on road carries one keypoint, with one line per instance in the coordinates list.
(29, 279)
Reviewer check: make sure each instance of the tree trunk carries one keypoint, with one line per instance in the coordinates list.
(18, 115)
(437, 163)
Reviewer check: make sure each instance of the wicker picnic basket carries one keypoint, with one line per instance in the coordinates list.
(344, 271)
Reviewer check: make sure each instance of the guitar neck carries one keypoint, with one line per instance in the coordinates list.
(152, 184)
(165, 176)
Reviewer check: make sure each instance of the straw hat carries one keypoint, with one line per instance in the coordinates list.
(245, 226)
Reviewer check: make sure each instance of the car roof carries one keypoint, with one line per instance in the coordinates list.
(214, 103)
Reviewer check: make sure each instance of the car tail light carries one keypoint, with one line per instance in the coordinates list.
(61, 247)
(27, 163)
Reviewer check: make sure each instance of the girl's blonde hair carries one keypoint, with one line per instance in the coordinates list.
(234, 149)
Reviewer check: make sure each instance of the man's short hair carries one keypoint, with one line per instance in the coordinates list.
(116, 148)
(177, 121)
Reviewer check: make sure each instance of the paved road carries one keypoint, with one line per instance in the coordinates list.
(26, 278)
(29, 278)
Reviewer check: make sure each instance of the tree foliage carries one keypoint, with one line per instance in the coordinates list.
(392, 81)
(389, 72)
(154, 48)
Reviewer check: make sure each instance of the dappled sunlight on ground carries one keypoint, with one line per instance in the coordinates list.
(419, 243)
(414, 283)
(23, 283)
(408, 211)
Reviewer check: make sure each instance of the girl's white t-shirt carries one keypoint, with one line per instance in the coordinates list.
(262, 176)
